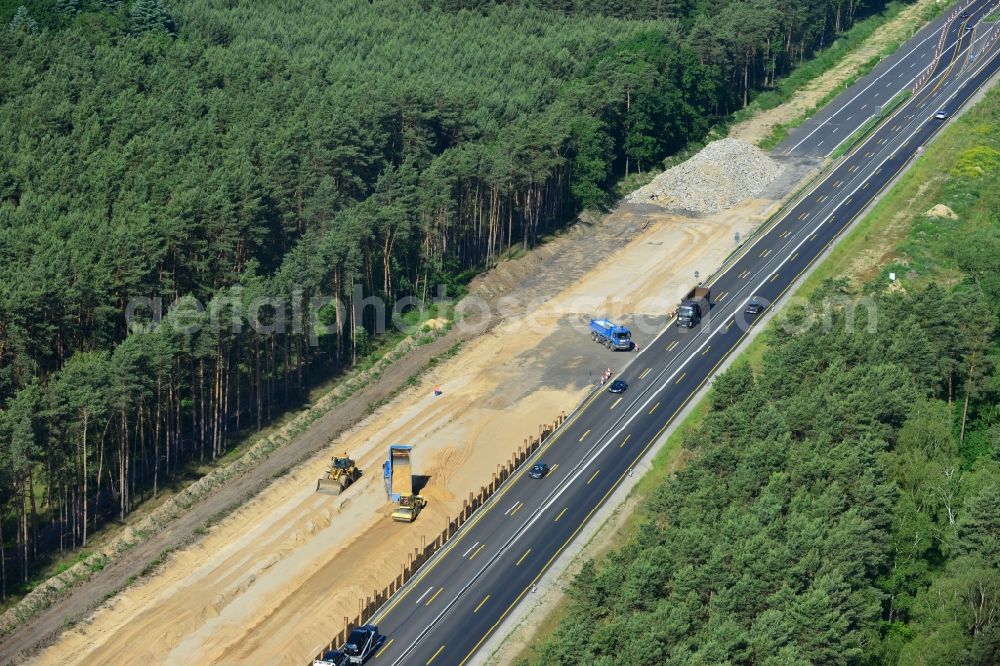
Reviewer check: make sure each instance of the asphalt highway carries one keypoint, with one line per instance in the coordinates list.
(820, 135)
(459, 598)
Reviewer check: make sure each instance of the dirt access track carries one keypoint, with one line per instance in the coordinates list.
(272, 582)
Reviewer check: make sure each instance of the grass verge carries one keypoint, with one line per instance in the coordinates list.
(895, 233)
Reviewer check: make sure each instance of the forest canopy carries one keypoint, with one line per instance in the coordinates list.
(226, 150)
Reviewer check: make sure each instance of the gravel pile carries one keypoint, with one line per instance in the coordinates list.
(721, 175)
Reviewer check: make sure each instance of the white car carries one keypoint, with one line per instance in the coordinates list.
(940, 115)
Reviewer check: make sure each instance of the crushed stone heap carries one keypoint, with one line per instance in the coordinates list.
(719, 176)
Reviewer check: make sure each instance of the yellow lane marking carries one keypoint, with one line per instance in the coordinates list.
(384, 648)
(517, 508)
(721, 296)
(730, 324)
(878, 171)
(865, 186)
(679, 379)
(434, 656)
(823, 198)
(431, 600)
(553, 468)
(773, 278)
(803, 216)
(838, 183)
(673, 344)
(793, 257)
(473, 556)
(644, 373)
(593, 476)
(849, 200)
(627, 437)
(853, 168)
(613, 405)
(476, 610)
(785, 235)
(764, 253)
(744, 275)
(565, 509)
(522, 557)
(584, 435)
(705, 350)
(813, 237)
(654, 408)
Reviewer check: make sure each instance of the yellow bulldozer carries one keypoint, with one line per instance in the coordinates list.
(341, 473)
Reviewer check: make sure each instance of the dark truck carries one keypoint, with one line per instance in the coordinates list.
(693, 307)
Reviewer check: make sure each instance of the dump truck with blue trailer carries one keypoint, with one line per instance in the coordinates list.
(610, 334)
(398, 473)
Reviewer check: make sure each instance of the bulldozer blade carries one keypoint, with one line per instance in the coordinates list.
(328, 487)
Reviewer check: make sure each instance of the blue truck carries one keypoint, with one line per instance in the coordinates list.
(398, 472)
(610, 335)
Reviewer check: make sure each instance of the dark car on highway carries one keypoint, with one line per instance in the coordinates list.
(754, 307)
(618, 386)
(332, 658)
(362, 643)
(538, 471)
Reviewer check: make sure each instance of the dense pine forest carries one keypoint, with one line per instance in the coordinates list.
(842, 502)
(214, 153)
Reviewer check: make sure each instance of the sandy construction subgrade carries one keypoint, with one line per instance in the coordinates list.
(271, 583)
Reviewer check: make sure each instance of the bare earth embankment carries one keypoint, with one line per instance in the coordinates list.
(273, 581)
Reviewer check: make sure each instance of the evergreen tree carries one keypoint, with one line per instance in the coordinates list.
(22, 22)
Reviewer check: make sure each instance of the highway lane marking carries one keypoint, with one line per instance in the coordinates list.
(848, 118)
(849, 200)
(744, 274)
(813, 237)
(932, 35)
(507, 512)
(823, 198)
(466, 553)
(865, 186)
(730, 324)
(583, 408)
(644, 373)
(584, 435)
(593, 476)
(896, 128)
(384, 648)
(519, 505)
(803, 216)
(565, 509)
(870, 153)
(613, 405)
(879, 170)
(431, 600)
(627, 437)
(417, 602)
(764, 253)
(491, 504)
(785, 235)
(522, 558)
(673, 344)
(553, 468)
(652, 410)
(883, 141)
(434, 656)
(679, 379)
(852, 168)
(773, 278)
(705, 351)
(473, 556)
(793, 257)
(838, 183)
(476, 610)
(721, 296)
